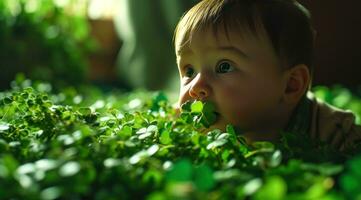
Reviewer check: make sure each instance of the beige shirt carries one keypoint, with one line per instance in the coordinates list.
(334, 126)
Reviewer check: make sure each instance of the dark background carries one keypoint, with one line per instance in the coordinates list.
(338, 41)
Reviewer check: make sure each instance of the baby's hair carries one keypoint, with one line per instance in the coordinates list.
(285, 22)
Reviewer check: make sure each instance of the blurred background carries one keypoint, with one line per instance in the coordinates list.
(128, 43)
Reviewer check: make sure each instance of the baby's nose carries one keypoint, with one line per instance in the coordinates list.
(200, 90)
(199, 95)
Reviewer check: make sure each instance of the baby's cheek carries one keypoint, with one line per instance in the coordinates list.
(239, 110)
(183, 96)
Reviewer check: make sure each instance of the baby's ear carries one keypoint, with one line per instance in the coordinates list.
(297, 83)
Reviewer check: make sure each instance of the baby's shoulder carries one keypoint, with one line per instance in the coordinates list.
(333, 125)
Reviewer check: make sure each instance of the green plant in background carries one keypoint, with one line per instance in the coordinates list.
(46, 39)
(340, 97)
(90, 145)
(350, 181)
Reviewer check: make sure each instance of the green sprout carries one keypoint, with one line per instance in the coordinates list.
(201, 114)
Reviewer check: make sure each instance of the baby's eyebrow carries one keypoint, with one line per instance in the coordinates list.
(233, 50)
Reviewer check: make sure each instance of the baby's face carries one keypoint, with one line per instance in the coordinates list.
(241, 76)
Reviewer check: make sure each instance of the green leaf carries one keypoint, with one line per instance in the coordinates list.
(157, 100)
(208, 107)
(30, 102)
(153, 176)
(165, 138)
(69, 169)
(4, 126)
(136, 158)
(327, 169)
(230, 129)
(125, 132)
(85, 111)
(181, 171)
(186, 117)
(152, 149)
(264, 145)
(7, 100)
(275, 159)
(51, 193)
(186, 107)
(197, 107)
(318, 189)
(157, 196)
(111, 162)
(354, 166)
(46, 164)
(203, 178)
(252, 186)
(207, 119)
(26, 168)
(147, 132)
(350, 184)
(275, 188)
(145, 135)
(216, 144)
(143, 154)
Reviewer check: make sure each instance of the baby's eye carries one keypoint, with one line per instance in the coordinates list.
(189, 72)
(224, 67)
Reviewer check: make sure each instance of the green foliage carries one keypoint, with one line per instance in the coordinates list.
(350, 181)
(198, 113)
(340, 97)
(89, 145)
(44, 39)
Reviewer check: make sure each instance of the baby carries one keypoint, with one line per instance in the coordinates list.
(253, 60)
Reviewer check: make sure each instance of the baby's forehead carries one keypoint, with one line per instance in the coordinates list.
(218, 37)
(208, 43)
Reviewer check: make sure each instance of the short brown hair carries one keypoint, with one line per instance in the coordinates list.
(285, 22)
